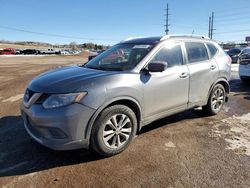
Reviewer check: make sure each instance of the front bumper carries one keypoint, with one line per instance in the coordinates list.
(59, 128)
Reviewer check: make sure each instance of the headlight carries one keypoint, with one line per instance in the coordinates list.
(59, 100)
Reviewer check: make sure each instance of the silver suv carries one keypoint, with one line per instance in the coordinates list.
(103, 104)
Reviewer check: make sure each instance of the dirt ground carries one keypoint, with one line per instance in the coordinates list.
(184, 150)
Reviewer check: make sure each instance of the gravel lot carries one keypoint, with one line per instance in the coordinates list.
(184, 150)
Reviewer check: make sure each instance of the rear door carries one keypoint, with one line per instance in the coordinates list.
(203, 71)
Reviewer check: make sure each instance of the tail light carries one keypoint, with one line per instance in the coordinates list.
(245, 62)
(229, 60)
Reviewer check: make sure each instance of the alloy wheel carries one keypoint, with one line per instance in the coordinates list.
(218, 99)
(117, 131)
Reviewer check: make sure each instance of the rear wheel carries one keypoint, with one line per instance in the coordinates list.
(216, 100)
(113, 130)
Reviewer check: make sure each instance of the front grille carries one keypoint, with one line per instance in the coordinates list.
(29, 93)
(42, 98)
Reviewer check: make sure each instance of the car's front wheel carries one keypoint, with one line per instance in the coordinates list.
(113, 130)
(216, 100)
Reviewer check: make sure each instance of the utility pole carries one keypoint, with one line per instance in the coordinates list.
(209, 27)
(212, 26)
(167, 21)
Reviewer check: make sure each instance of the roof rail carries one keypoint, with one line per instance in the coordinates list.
(131, 38)
(184, 35)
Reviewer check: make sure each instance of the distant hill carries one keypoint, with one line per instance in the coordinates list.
(24, 44)
(43, 45)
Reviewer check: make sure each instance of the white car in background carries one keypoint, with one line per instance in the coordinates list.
(64, 52)
(244, 68)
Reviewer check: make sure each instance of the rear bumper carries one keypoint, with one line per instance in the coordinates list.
(60, 128)
(244, 71)
(234, 59)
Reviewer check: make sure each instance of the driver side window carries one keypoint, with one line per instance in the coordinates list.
(172, 55)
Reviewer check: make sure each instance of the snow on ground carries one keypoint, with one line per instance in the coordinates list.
(236, 132)
(235, 67)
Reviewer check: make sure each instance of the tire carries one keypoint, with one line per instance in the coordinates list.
(244, 80)
(216, 100)
(115, 123)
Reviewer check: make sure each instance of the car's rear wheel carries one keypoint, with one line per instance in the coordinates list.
(113, 130)
(216, 100)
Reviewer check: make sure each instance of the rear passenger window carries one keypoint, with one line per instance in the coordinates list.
(212, 49)
(172, 55)
(196, 52)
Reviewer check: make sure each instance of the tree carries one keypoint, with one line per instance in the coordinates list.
(73, 45)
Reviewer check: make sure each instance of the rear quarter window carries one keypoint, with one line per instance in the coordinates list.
(212, 49)
(196, 52)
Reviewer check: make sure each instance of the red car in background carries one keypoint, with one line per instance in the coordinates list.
(7, 51)
(115, 56)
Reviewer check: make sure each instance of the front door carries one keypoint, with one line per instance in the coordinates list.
(167, 90)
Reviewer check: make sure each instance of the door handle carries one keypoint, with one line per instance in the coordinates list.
(184, 75)
(213, 67)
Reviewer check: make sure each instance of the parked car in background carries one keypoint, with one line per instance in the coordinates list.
(64, 52)
(7, 51)
(49, 51)
(236, 53)
(103, 104)
(30, 52)
(18, 51)
(244, 68)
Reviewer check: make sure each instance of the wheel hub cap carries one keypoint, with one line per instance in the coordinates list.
(117, 131)
(218, 99)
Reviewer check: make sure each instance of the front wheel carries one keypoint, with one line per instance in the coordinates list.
(216, 100)
(113, 130)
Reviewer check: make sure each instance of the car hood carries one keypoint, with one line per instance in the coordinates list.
(66, 79)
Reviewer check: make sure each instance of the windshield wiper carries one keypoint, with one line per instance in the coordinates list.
(90, 67)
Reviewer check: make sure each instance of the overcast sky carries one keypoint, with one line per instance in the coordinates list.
(109, 21)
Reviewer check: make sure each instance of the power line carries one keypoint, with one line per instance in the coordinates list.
(54, 35)
(235, 9)
(241, 16)
(233, 20)
(232, 25)
(191, 27)
(234, 31)
(233, 14)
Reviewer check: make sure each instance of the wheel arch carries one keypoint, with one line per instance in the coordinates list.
(132, 103)
(221, 81)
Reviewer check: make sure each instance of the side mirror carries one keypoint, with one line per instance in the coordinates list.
(157, 66)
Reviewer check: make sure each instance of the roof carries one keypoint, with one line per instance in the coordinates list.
(142, 40)
(155, 40)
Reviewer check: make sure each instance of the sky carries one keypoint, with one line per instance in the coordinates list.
(110, 21)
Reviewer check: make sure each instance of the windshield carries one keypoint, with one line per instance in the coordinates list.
(120, 57)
